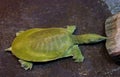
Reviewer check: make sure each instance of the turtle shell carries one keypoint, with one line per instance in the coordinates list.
(40, 45)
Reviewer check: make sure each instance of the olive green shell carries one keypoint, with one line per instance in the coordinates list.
(40, 45)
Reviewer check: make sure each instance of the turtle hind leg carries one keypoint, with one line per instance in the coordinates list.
(77, 55)
(18, 33)
(25, 64)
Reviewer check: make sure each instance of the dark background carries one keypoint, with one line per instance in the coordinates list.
(89, 17)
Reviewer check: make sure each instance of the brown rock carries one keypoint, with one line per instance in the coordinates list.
(112, 28)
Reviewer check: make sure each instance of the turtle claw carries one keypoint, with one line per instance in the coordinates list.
(26, 65)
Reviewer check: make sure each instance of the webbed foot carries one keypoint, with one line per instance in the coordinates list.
(77, 55)
(25, 64)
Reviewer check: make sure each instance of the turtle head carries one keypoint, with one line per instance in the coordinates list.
(88, 38)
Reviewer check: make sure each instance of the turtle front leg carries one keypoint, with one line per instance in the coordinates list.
(71, 28)
(25, 64)
(77, 55)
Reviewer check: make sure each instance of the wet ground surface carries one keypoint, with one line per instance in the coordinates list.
(89, 17)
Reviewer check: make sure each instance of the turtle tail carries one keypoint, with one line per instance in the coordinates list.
(88, 38)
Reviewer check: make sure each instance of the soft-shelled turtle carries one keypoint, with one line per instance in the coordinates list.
(47, 44)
